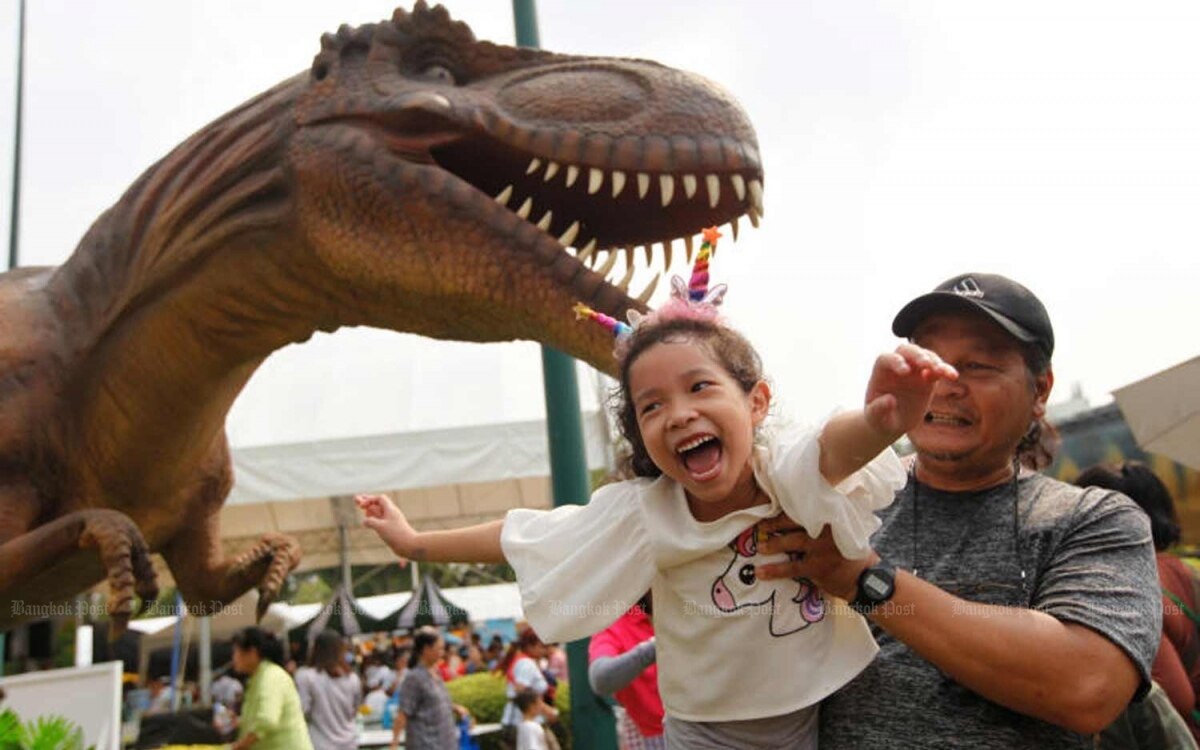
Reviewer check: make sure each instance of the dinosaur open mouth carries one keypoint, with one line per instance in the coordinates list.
(598, 213)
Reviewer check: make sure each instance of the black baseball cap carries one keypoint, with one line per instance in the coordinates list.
(1015, 308)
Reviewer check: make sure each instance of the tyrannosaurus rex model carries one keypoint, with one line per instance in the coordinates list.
(413, 179)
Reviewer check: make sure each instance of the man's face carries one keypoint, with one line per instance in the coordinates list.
(973, 426)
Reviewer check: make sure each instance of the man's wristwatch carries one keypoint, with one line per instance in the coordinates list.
(876, 585)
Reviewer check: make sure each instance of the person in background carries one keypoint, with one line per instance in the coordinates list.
(622, 664)
(427, 715)
(271, 715)
(330, 694)
(531, 734)
(228, 690)
(521, 672)
(392, 707)
(1176, 666)
(556, 662)
(475, 662)
(375, 702)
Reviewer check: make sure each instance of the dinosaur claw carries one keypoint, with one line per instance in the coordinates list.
(126, 560)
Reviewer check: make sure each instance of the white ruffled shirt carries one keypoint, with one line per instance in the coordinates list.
(730, 647)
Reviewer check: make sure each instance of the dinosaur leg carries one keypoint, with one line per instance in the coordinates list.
(52, 563)
(208, 580)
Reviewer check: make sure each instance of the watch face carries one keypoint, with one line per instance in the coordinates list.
(875, 586)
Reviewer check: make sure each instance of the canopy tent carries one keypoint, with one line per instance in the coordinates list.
(428, 606)
(1163, 412)
(440, 478)
(341, 613)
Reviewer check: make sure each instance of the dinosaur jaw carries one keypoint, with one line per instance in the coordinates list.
(596, 212)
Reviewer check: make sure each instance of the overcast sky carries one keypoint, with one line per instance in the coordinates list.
(903, 142)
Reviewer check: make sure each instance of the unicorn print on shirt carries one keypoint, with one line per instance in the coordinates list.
(794, 604)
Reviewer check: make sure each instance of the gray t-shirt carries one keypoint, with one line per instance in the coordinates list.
(1088, 559)
(330, 705)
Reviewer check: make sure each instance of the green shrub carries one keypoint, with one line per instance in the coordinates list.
(483, 694)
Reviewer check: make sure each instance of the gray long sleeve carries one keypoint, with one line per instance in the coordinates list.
(608, 674)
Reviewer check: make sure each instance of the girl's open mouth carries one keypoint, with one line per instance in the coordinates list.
(701, 457)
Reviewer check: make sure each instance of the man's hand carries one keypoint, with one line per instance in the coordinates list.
(818, 559)
(901, 386)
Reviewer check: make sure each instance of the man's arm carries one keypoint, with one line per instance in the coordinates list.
(1025, 660)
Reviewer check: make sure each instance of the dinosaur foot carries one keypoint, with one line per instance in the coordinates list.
(280, 554)
(126, 561)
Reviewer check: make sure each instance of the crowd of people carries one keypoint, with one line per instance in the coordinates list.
(265, 699)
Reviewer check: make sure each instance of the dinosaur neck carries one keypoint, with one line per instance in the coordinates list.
(178, 292)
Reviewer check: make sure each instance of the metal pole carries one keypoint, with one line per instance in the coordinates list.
(591, 719)
(205, 661)
(15, 215)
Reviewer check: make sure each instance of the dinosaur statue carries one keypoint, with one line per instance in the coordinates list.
(414, 179)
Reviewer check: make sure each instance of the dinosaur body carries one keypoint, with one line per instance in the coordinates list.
(413, 179)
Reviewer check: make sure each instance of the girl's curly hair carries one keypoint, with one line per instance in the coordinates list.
(728, 347)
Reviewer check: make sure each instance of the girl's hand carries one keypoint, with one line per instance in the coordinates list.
(385, 519)
(901, 386)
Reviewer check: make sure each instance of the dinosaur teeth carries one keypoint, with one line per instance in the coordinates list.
(667, 249)
(714, 190)
(572, 174)
(689, 185)
(533, 166)
(569, 236)
(623, 284)
(756, 197)
(644, 297)
(551, 170)
(733, 226)
(667, 184)
(607, 265)
(504, 195)
(544, 224)
(629, 251)
(689, 247)
(618, 183)
(753, 218)
(587, 250)
(648, 251)
(739, 186)
(643, 181)
(595, 180)
(525, 208)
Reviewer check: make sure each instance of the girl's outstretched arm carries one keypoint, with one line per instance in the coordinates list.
(897, 398)
(472, 544)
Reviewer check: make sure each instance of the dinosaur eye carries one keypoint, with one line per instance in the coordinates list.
(438, 74)
(746, 574)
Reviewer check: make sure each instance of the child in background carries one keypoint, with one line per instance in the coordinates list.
(531, 735)
(742, 662)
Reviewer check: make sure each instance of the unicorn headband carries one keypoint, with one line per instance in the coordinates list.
(694, 299)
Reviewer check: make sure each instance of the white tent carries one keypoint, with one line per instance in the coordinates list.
(440, 478)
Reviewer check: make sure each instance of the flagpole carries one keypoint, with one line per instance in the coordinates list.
(15, 211)
(592, 725)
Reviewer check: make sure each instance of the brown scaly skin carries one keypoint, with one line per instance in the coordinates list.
(383, 187)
